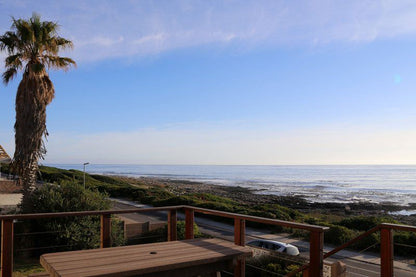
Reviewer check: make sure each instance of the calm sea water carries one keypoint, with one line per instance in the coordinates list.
(322, 183)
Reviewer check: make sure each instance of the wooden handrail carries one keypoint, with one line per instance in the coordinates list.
(398, 227)
(289, 224)
(87, 213)
(105, 215)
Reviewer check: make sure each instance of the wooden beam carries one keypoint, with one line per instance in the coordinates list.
(316, 254)
(239, 239)
(6, 248)
(105, 230)
(239, 231)
(189, 223)
(386, 252)
(172, 220)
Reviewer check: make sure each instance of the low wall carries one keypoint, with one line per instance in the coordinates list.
(9, 186)
(133, 229)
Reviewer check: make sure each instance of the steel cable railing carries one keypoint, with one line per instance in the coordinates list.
(105, 218)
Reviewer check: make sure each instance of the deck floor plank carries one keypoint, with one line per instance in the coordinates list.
(137, 259)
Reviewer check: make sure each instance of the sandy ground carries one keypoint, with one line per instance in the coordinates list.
(7, 199)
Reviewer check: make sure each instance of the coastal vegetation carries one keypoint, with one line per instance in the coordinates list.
(68, 233)
(32, 46)
(343, 225)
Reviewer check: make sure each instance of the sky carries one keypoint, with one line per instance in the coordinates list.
(228, 82)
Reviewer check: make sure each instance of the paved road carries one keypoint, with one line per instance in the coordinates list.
(363, 265)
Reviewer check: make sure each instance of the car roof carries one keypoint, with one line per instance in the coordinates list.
(272, 241)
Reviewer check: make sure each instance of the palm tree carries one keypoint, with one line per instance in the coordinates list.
(32, 47)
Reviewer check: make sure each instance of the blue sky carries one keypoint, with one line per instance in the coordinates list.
(229, 82)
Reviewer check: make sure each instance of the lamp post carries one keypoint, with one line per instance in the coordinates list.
(84, 172)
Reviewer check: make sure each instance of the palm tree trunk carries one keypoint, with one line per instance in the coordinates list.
(34, 93)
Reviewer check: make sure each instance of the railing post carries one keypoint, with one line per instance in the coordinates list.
(239, 231)
(189, 223)
(105, 230)
(316, 253)
(172, 231)
(239, 239)
(7, 248)
(386, 252)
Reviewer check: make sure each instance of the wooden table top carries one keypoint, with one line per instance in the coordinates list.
(141, 259)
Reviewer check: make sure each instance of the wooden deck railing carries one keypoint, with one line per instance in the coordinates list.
(386, 247)
(314, 268)
(316, 232)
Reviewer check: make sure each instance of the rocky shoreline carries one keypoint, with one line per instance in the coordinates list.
(255, 197)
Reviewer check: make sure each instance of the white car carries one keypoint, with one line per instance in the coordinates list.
(275, 246)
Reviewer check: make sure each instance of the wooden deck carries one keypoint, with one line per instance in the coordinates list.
(174, 258)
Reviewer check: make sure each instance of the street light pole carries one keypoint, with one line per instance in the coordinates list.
(84, 172)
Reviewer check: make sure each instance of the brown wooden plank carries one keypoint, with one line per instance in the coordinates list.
(6, 248)
(153, 262)
(239, 239)
(151, 265)
(192, 253)
(316, 254)
(239, 231)
(133, 268)
(122, 250)
(88, 213)
(142, 255)
(386, 252)
(144, 258)
(398, 227)
(172, 225)
(189, 223)
(132, 249)
(105, 240)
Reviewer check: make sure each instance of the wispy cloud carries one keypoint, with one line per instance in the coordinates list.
(110, 29)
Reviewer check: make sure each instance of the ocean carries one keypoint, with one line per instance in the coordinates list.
(317, 183)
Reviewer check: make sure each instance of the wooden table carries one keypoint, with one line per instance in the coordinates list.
(174, 258)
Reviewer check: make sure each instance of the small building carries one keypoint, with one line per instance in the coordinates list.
(4, 157)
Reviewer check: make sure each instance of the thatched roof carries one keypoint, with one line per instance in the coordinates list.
(4, 158)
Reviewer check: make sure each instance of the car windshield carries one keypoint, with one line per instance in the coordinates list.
(255, 243)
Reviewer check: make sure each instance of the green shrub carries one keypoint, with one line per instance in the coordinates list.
(364, 223)
(269, 266)
(274, 267)
(338, 235)
(69, 233)
(371, 242)
(407, 241)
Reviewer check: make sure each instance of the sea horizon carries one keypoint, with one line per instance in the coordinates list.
(394, 184)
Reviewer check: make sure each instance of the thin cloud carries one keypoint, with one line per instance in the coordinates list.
(129, 29)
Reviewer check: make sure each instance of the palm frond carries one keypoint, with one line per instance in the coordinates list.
(63, 43)
(14, 61)
(24, 31)
(9, 74)
(35, 41)
(9, 42)
(59, 62)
